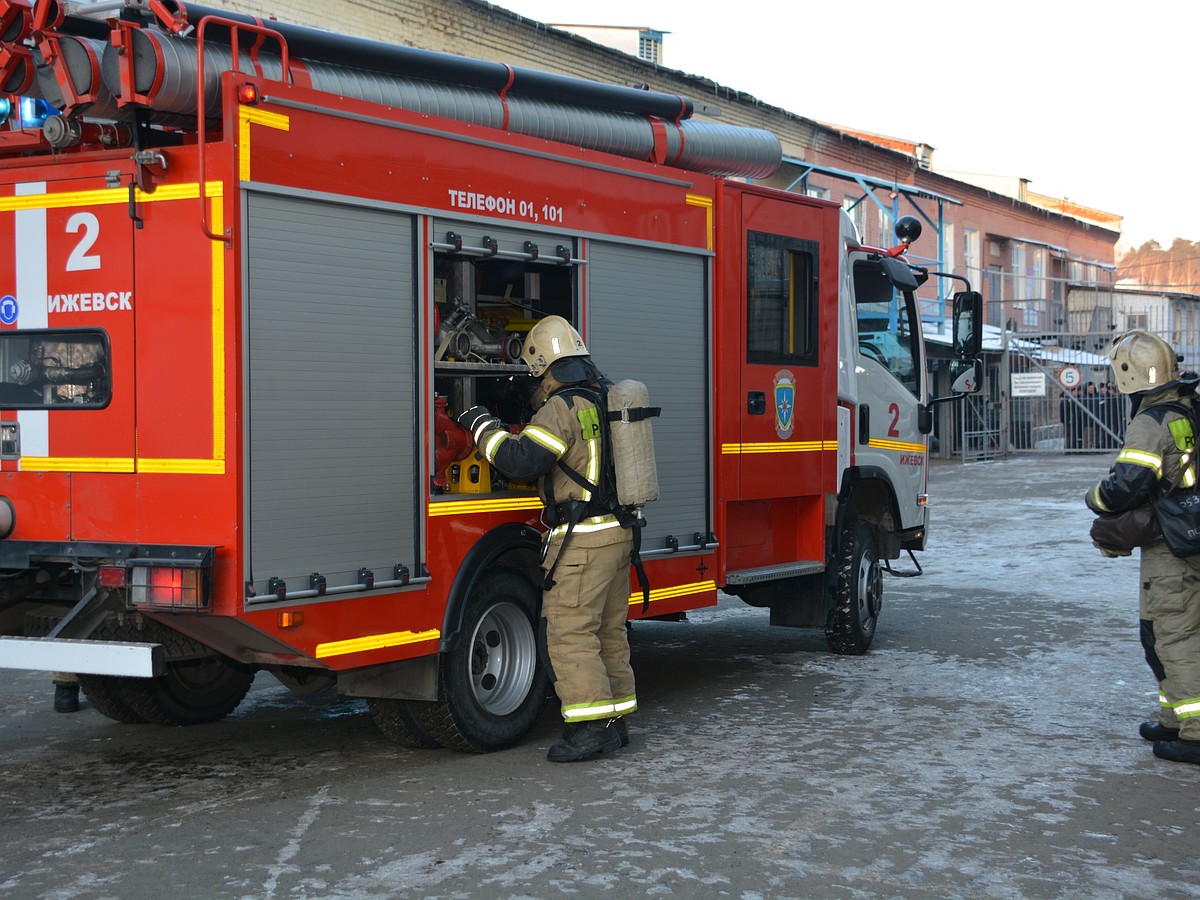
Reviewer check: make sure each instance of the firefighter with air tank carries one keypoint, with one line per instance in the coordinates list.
(589, 543)
(1159, 456)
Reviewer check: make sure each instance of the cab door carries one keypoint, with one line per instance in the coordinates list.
(890, 369)
(788, 434)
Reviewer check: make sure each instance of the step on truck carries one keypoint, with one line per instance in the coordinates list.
(252, 271)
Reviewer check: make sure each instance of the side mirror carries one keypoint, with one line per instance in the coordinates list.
(968, 324)
(902, 278)
(924, 418)
(967, 376)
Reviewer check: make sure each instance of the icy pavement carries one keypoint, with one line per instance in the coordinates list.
(986, 747)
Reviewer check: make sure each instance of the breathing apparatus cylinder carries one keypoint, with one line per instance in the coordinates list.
(632, 442)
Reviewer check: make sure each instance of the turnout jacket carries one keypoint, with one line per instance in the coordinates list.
(1157, 457)
(567, 429)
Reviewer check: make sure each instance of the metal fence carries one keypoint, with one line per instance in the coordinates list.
(1047, 382)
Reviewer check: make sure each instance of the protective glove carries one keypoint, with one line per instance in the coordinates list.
(1092, 500)
(1111, 554)
(476, 419)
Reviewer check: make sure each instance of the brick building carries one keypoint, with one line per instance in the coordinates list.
(1020, 249)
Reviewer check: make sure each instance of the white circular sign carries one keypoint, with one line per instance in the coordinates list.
(1069, 377)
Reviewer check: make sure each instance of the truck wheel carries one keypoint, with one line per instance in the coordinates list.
(398, 722)
(858, 592)
(104, 693)
(492, 683)
(192, 691)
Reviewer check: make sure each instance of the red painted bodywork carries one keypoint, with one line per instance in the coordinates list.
(178, 353)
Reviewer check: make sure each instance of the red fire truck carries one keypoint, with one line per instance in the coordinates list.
(250, 272)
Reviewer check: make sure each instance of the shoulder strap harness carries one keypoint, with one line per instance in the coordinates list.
(604, 494)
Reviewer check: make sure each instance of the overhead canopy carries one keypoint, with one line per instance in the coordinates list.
(993, 342)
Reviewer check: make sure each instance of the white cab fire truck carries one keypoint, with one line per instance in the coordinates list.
(252, 270)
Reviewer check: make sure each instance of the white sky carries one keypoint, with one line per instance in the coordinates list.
(1094, 100)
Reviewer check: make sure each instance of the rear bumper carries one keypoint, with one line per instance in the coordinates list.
(82, 657)
(19, 554)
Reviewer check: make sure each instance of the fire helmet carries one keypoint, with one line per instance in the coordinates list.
(1142, 361)
(550, 340)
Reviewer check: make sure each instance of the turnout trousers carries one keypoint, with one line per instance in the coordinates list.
(1169, 600)
(585, 615)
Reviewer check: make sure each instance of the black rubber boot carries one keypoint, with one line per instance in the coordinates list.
(66, 698)
(1178, 751)
(622, 730)
(618, 723)
(1153, 731)
(585, 740)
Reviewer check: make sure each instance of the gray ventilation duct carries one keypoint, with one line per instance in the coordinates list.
(80, 64)
(706, 147)
(338, 50)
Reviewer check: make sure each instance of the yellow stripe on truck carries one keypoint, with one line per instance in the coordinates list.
(214, 190)
(375, 642)
(779, 447)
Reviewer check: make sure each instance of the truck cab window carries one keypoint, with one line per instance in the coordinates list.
(888, 330)
(781, 300)
(53, 369)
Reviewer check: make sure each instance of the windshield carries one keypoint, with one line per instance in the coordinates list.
(888, 332)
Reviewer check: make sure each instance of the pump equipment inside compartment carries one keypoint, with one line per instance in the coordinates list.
(489, 290)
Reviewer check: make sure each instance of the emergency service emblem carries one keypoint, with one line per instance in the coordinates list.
(785, 404)
(8, 309)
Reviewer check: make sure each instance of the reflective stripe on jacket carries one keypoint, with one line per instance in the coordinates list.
(1158, 456)
(566, 429)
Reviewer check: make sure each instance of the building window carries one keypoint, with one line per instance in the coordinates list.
(1036, 287)
(1018, 272)
(650, 46)
(994, 295)
(970, 248)
(885, 228)
(821, 193)
(858, 214)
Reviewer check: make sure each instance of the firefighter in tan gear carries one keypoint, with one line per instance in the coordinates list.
(1158, 456)
(586, 555)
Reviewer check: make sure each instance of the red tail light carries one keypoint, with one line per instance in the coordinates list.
(112, 576)
(167, 587)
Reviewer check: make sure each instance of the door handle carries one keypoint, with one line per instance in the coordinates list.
(756, 403)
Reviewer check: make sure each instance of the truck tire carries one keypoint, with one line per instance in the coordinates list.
(192, 691)
(493, 685)
(399, 723)
(858, 591)
(104, 693)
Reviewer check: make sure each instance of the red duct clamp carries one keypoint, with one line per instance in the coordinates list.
(48, 15)
(659, 129)
(512, 76)
(172, 14)
(122, 42)
(73, 99)
(16, 20)
(662, 145)
(16, 69)
(685, 109)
